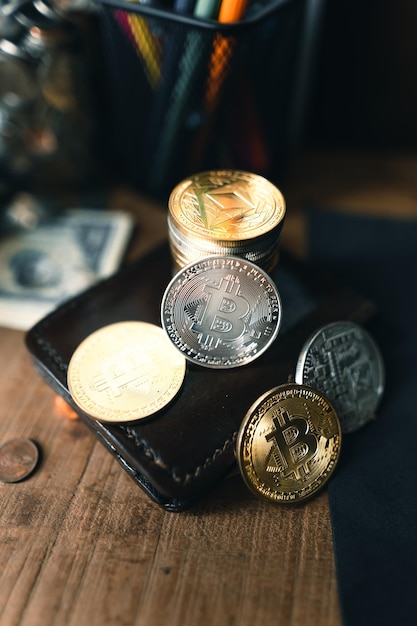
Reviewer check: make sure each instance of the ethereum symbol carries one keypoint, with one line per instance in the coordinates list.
(224, 207)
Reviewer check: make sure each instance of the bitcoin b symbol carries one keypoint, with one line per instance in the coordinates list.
(224, 312)
(296, 443)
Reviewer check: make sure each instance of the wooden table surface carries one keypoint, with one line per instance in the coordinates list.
(81, 544)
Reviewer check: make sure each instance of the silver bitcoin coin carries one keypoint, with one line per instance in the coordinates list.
(342, 361)
(221, 312)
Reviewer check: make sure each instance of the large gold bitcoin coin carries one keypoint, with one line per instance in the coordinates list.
(226, 205)
(125, 372)
(288, 444)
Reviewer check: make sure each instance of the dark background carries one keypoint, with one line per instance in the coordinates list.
(364, 91)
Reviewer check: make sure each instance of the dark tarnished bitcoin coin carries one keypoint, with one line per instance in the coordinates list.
(18, 459)
(288, 444)
(125, 372)
(221, 312)
(343, 361)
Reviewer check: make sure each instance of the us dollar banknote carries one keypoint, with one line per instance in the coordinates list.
(65, 254)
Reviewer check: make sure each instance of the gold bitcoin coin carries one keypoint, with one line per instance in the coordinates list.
(226, 205)
(288, 444)
(125, 372)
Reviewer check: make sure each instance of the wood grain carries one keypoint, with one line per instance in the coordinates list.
(81, 544)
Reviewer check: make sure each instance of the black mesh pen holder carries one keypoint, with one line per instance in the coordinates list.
(185, 95)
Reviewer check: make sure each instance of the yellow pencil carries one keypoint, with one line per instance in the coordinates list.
(148, 47)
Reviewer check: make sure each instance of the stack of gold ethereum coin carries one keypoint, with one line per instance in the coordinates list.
(227, 213)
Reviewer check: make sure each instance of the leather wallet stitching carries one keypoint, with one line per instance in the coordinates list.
(210, 460)
(52, 353)
(188, 477)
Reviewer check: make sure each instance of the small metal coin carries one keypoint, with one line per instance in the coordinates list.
(221, 312)
(18, 459)
(125, 372)
(342, 360)
(288, 444)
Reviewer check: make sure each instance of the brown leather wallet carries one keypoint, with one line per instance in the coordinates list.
(182, 451)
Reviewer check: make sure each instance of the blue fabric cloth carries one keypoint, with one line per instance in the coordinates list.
(373, 493)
